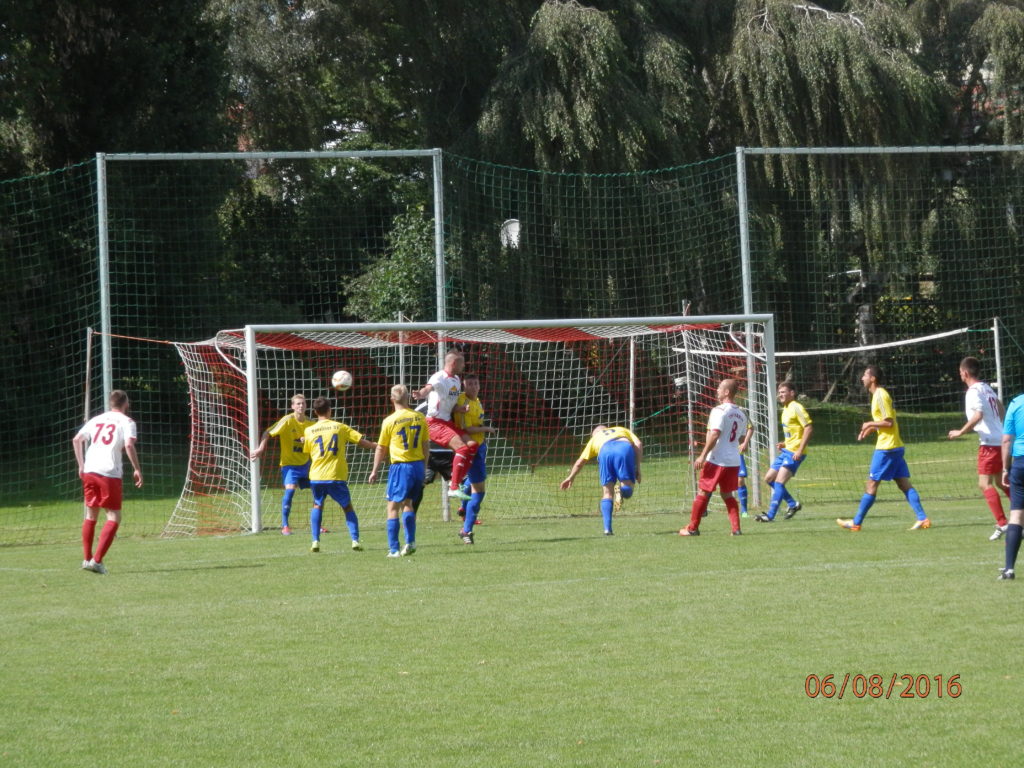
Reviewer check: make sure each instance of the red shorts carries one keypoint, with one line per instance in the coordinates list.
(990, 460)
(726, 479)
(102, 491)
(441, 431)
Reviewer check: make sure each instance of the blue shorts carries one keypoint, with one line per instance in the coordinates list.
(785, 460)
(743, 467)
(478, 469)
(336, 489)
(617, 461)
(295, 474)
(405, 480)
(1016, 477)
(888, 465)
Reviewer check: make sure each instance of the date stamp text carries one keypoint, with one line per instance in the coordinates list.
(895, 686)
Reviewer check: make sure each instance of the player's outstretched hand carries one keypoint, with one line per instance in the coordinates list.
(566, 484)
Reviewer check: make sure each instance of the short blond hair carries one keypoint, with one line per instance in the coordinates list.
(400, 394)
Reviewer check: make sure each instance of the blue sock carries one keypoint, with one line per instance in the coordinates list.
(353, 523)
(472, 510)
(741, 494)
(787, 497)
(1013, 537)
(392, 527)
(286, 505)
(778, 491)
(315, 518)
(409, 523)
(466, 485)
(606, 512)
(626, 491)
(865, 504)
(915, 503)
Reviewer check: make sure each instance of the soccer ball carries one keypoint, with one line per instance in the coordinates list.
(341, 380)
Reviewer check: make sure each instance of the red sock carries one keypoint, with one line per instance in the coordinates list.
(732, 508)
(700, 503)
(460, 463)
(106, 539)
(995, 504)
(88, 532)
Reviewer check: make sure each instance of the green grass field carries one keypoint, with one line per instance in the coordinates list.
(834, 474)
(544, 644)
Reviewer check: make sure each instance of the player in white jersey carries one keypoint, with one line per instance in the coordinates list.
(985, 416)
(442, 393)
(99, 446)
(719, 462)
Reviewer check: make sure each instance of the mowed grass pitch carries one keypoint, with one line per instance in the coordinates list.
(544, 644)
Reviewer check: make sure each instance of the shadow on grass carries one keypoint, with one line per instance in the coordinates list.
(179, 569)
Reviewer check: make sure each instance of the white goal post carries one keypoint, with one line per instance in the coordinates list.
(545, 384)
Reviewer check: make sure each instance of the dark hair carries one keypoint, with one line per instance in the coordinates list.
(471, 377)
(972, 367)
(874, 371)
(788, 385)
(322, 406)
(118, 398)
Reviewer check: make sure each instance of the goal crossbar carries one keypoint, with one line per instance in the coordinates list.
(518, 331)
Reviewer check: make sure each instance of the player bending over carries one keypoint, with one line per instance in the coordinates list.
(619, 453)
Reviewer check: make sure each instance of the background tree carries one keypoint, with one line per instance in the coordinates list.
(84, 76)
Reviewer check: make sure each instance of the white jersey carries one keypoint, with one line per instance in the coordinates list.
(444, 396)
(981, 397)
(730, 420)
(108, 434)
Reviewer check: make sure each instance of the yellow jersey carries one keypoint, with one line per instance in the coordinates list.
(404, 433)
(474, 417)
(881, 408)
(289, 430)
(795, 419)
(593, 446)
(325, 442)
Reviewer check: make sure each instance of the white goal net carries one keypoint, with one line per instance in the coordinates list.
(544, 385)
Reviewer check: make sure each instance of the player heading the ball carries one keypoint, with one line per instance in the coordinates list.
(442, 393)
